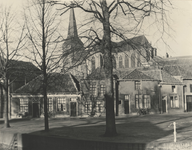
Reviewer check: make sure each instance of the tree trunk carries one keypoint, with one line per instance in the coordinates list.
(44, 70)
(6, 104)
(109, 95)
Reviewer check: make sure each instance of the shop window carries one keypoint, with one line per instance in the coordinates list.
(174, 101)
(138, 101)
(61, 104)
(147, 101)
(24, 105)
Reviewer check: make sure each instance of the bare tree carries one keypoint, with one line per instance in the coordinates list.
(44, 46)
(106, 14)
(12, 35)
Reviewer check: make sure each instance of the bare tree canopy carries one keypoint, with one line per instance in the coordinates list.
(12, 41)
(107, 14)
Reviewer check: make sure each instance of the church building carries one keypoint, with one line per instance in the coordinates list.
(131, 53)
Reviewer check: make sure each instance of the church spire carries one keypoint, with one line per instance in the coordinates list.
(72, 29)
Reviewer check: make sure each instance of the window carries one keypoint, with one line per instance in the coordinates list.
(126, 97)
(93, 63)
(174, 101)
(133, 60)
(191, 88)
(114, 62)
(120, 62)
(147, 101)
(138, 61)
(173, 89)
(126, 62)
(61, 104)
(102, 89)
(99, 107)
(101, 61)
(137, 85)
(93, 88)
(50, 104)
(23, 105)
(138, 101)
(88, 107)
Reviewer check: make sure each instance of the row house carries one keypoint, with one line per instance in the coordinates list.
(63, 95)
(155, 90)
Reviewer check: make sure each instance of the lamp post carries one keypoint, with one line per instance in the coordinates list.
(160, 98)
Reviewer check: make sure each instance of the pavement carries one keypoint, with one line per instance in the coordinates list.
(156, 129)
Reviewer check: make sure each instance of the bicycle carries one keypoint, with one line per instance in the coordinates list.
(143, 111)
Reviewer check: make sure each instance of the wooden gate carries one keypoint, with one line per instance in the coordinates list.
(73, 108)
(189, 102)
(126, 106)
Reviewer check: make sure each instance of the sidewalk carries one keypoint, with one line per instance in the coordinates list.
(151, 130)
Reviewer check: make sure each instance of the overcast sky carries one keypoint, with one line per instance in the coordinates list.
(181, 42)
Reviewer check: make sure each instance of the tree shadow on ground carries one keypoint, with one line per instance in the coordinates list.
(15, 120)
(140, 131)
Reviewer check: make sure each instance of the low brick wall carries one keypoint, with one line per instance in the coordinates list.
(40, 142)
(31, 142)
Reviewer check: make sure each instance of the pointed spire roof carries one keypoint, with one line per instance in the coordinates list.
(72, 28)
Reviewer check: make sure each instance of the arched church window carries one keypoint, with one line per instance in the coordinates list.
(120, 62)
(93, 63)
(133, 60)
(138, 61)
(101, 61)
(114, 62)
(126, 61)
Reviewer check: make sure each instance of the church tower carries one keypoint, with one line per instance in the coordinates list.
(73, 48)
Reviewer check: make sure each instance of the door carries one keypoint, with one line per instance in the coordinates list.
(35, 110)
(126, 105)
(189, 102)
(73, 108)
(164, 106)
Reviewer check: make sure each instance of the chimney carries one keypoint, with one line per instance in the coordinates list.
(167, 55)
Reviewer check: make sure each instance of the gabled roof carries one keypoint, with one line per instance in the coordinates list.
(134, 43)
(176, 70)
(57, 83)
(150, 74)
(162, 76)
(137, 75)
(19, 69)
(168, 79)
(97, 74)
